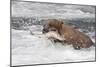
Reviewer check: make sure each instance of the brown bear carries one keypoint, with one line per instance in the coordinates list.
(67, 34)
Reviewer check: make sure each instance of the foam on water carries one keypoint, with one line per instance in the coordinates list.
(37, 49)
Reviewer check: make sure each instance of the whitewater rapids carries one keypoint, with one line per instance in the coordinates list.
(37, 49)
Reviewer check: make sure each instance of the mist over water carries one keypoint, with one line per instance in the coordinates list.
(35, 48)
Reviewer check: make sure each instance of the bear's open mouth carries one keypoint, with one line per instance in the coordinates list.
(45, 31)
(48, 30)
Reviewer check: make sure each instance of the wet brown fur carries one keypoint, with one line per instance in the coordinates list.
(71, 36)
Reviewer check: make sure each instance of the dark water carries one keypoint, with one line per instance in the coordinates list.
(23, 23)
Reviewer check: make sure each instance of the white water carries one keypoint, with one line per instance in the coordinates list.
(37, 49)
(51, 10)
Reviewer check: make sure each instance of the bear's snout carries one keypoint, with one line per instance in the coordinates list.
(45, 31)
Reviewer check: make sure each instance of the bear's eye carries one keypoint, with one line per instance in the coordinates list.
(53, 29)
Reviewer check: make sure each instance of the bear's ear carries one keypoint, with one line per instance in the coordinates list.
(61, 21)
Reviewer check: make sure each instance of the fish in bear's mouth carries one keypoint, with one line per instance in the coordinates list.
(52, 33)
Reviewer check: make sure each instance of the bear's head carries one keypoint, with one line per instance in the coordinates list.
(52, 25)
